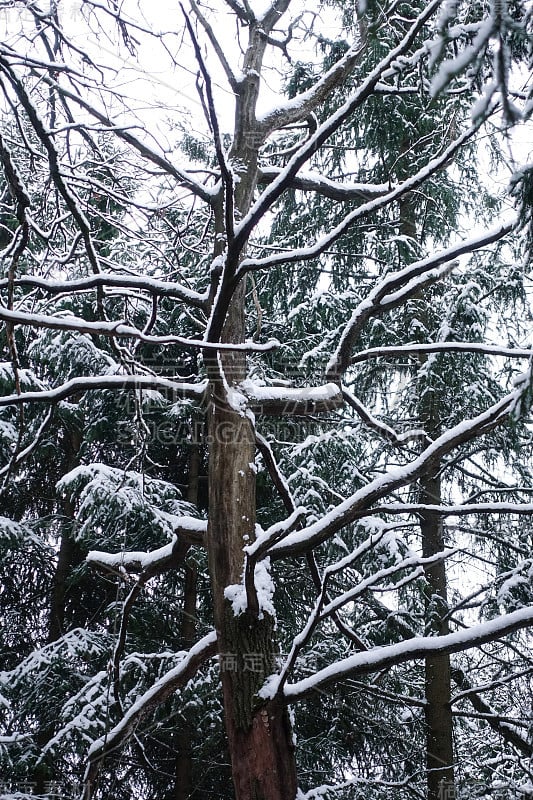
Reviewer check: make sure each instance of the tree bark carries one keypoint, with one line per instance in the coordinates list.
(437, 680)
(259, 733)
(438, 710)
(69, 556)
(183, 767)
(437, 668)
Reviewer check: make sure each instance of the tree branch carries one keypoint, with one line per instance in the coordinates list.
(410, 650)
(324, 131)
(154, 286)
(400, 285)
(157, 694)
(441, 347)
(315, 182)
(359, 504)
(76, 386)
(183, 177)
(121, 329)
(215, 44)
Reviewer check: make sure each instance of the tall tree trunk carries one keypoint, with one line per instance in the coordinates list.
(437, 672)
(69, 556)
(438, 710)
(259, 732)
(437, 681)
(259, 735)
(183, 763)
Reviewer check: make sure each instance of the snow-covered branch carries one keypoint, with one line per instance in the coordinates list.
(327, 240)
(193, 391)
(163, 688)
(304, 104)
(155, 287)
(381, 428)
(276, 401)
(454, 510)
(362, 501)
(415, 349)
(316, 182)
(122, 329)
(124, 133)
(399, 286)
(413, 649)
(324, 131)
(187, 531)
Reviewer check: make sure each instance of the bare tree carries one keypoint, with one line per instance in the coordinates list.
(129, 233)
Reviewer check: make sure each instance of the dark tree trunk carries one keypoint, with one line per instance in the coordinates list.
(438, 711)
(183, 771)
(259, 735)
(437, 671)
(69, 556)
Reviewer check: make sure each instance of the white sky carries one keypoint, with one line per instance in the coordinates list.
(150, 79)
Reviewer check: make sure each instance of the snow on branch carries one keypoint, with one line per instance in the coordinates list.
(316, 182)
(163, 688)
(104, 279)
(443, 347)
(326, 241)
(462, 680)
(182, 176)
(273, 400)
(381, 428)
(398, 286)
(359, 504)
(193, 391)
(419, 647)
(413, 563)
(122, 329)
(301, 106)
(324, 131)
(188, 530)
(455, 510)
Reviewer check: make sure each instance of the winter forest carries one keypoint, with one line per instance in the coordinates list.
(266, 473)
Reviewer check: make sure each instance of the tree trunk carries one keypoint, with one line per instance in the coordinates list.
(183, 763)
(438, 711)
(437, 669)
(69, 556)
(259, 735)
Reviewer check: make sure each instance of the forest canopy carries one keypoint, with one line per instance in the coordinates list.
(265, 413)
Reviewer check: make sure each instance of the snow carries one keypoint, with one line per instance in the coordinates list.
(136, 709)
(394, 285)
(264, 587)
(516, 580)
(91, 383)
(381, 486)
(152, 285)
(452, 67)
(313, 394)
(140, 559)
(10, 529)
(272, 192)
(122, 329)
(275, 532)
(416, 648)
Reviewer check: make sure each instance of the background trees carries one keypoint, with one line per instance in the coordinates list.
(266, 395)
